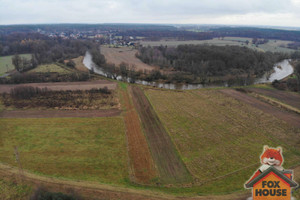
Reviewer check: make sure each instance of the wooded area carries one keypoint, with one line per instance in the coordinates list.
(206, 60)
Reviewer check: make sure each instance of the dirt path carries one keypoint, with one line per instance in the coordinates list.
(289, 117)
(290, 98)
(92, 190)
(141, 163)
(58, 113)
(124, 54)
(64, 85)
(169, 164)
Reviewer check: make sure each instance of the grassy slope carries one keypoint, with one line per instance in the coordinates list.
(217, 135)
(92, 149)
(50, 68)
(6, 62)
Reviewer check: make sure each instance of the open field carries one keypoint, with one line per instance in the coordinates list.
(171, 168)
(290, 118)
(92, 190)
(289, 98)
(141, 163)
(124, 54)
(91, 149)
(79, 64)
(6, 63)
(272, 45)
(220, 138)
(50, 68)
(64, 85)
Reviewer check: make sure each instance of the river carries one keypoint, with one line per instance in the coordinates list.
(281, 72)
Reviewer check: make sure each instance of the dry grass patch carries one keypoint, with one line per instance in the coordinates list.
(124, 54)
(50, 68)
(79, 64)
(216, 134)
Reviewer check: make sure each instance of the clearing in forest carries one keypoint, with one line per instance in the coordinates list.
(125, 54)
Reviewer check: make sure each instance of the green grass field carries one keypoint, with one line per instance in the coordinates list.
(6, 63)
(91, 149)
(217, 135)
(50, 68)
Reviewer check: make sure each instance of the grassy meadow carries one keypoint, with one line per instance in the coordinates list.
(91, 149)
(219, 138)
(6, 63)
(50, 68)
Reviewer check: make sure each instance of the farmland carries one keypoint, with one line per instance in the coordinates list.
(170, 166)
(64, 85)
(272, 45)
(60, 100)
(91, 149)
(289, 98)
(213, 132)
(6, 63)
(124, 54)
(142, 167)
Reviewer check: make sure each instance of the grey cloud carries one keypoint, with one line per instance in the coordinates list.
(137, 11)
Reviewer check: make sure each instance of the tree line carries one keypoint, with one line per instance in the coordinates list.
(44, 49)
(207, 60)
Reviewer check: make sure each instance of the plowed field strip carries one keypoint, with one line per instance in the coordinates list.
(170, 166)
(291, 118)
(290, 98)
(141, 162)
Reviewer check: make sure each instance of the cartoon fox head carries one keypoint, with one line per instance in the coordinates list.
(272, 156)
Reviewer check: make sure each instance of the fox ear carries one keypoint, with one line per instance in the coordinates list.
(266, 147)
(279, 149)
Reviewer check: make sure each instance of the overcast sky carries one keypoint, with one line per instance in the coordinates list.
(238, 12)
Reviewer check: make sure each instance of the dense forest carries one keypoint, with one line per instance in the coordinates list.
(266, 33)
(43, 48)
(209, 60)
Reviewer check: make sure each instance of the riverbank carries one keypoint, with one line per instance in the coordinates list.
(281, 72)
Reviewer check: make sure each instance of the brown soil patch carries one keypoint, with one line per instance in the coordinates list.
(64, 85)
(141, 163)
(124, 54)
(58, 113)
(289, 98)
(291, 118)
(169, 164)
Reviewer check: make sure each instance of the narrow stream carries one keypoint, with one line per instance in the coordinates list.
(281, 70)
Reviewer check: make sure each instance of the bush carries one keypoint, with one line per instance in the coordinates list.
(26, 92)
